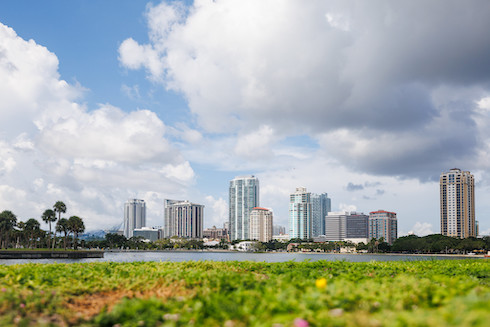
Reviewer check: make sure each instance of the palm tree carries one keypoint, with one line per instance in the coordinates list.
(63, 226)
(76, 226)
(59, 207)
(32, 227)
(48, 217)
(7, 223)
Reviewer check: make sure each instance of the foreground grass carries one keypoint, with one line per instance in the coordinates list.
(321, 293)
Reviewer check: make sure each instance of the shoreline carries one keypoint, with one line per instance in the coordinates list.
(316, 253)
(47, 254)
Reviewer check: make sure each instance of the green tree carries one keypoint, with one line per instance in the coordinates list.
(62, 226)
(76, 226)
(7, 223)
(115, 240)
(32, 228)
(59, 207)
(49, 216)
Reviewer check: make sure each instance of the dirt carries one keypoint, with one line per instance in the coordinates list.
(87, 306)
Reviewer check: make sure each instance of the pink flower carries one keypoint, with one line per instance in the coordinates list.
(299, 322)
(22, 305)
(4, 289)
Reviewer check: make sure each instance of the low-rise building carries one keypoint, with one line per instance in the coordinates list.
(215, 233)
(148, 233)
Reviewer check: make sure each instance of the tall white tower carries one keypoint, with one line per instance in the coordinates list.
(244, 196)
(457, 189)
(300, 211)
(134, 216)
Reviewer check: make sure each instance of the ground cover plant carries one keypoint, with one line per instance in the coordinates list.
(320, 293)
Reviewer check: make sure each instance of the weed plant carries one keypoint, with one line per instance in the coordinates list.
(320, 293)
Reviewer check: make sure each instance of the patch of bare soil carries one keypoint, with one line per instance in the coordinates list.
(87, 306)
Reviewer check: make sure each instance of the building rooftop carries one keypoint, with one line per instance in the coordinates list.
(382, 211)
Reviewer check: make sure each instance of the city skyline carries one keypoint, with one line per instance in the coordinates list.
(172, 100)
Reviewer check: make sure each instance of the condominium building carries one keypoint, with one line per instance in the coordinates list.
(300, 212)
(383, 224)
(457, 195)
(243, 197)
(183, 219)
(320, 207)
(261, 224)
(134, 216)
(345, 226)
(215, 233)
(148, 233)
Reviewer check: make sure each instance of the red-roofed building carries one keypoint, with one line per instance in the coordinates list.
(261, 224)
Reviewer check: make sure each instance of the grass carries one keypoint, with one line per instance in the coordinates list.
(320, 293)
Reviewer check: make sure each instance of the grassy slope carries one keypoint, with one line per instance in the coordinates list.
(424, 293)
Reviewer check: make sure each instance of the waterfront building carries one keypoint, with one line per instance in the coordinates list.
(335, 226)
(183, 219)
(320, 207)
(281, 237)
(261, 224)
(134, 216)
(383, 224)
(457, 196)
(243, 197)
(215, 233)
(356, 226)
(345, 226)
(148, 233)
(300, 211)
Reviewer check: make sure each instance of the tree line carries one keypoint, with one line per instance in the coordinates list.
(435, 243)
(28, 234)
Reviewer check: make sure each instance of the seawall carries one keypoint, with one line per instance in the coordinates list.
(46, 254)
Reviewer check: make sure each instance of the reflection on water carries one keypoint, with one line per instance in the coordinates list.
(231, 256)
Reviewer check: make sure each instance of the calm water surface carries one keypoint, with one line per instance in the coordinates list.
(233, 256)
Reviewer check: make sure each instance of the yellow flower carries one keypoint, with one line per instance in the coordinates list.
(321, 283)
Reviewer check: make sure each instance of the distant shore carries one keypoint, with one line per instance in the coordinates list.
(317, 253)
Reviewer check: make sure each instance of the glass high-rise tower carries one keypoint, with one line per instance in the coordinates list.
(243, 197)
(457, 190)
(320, 206)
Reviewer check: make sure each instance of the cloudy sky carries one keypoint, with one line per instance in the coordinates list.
(368, 101)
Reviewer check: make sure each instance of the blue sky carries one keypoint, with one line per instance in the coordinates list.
(369, 103)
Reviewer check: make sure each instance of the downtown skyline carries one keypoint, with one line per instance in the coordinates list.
(171, 100)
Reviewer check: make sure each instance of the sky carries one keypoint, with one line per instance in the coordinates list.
(103, 101)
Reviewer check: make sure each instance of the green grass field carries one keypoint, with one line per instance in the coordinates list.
(321, 293)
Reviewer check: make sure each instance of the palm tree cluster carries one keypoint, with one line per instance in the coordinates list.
(29, 234)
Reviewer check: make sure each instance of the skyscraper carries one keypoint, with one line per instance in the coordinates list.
(261, 224)
(383, 224)
(183, 219)
(300, 211)
(320, 206)
(134, 216)
(244, 196)
(457, 191)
